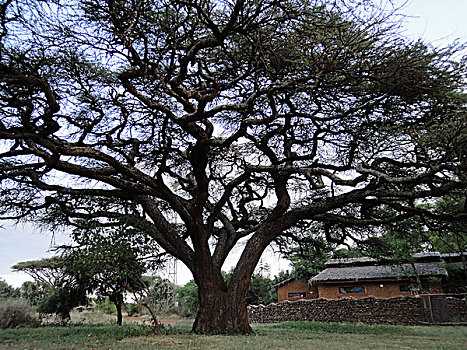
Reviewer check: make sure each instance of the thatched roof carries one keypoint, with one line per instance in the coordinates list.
(283, 283)
(418, 257)
(453, 257)
(377, 272)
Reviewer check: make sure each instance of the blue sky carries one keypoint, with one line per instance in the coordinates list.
(436, 21)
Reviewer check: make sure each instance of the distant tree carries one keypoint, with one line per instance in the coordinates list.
(162, 289)
(34, 291)
(239, 120)
(261, 290)
(111, 260)
(282, 276)
(7, 291)
(187, 297)
(64, 290)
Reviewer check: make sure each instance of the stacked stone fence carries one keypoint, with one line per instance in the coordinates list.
(446, 308)
(398, 310)
(457, 308)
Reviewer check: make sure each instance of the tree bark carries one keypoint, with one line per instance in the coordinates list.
(65, 316)
(118, 301)
(119, 313)
(220, 311)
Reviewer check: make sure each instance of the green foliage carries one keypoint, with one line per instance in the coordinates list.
(397, 241)
(76, 336)
(162, 290)
(449, 236)
(106, 306)
(132, 309)
(34, 291)
(7, 291)
(159, 287)
(457, 281)
(56, 289)
(187, 297)
(309, 253)
(261, 291)
(16, 313)
(111, 260)
(60, 301)
(107, 263)
(353, 328)
(50, 264)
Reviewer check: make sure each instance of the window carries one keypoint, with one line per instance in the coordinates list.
(297, 295)
(351, 290)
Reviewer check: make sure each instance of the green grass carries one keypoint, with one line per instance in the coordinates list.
(346, 328)
(289, 335)
(63, 337)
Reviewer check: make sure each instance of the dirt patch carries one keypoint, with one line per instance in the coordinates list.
(165, 341)
(138, 319)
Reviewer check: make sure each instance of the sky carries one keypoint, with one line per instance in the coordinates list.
(435, 21)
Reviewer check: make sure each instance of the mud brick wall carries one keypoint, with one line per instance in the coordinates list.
(399, 310)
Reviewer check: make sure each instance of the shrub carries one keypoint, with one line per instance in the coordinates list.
(106, 307)
(187, 297)
(132, 309)
(16, 313)
(7, 291)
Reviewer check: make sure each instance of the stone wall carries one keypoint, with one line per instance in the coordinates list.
(399, 310)
(457, 309)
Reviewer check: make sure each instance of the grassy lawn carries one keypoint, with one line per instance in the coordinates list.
(291, 335)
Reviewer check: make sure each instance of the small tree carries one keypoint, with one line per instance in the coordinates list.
(188, 299)
(34, 291)
(111, 261)
(261, 290)
(7, 291)
(64, 290)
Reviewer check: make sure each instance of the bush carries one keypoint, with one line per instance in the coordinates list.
(16, 313)
(60, 301)
(106, 307)
(187, 297)
(7, 291)
(132, 309)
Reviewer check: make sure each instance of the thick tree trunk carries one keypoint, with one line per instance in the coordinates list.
(221, 313)
(221, 310)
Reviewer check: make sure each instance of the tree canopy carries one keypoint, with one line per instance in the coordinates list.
(111, 261)
(7, 291)
(61, 290)
(210, 123)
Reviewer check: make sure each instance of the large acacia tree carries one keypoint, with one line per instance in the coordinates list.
(237, 120)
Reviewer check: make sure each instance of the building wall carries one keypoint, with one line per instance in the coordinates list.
(296, 286)
(381, 289)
